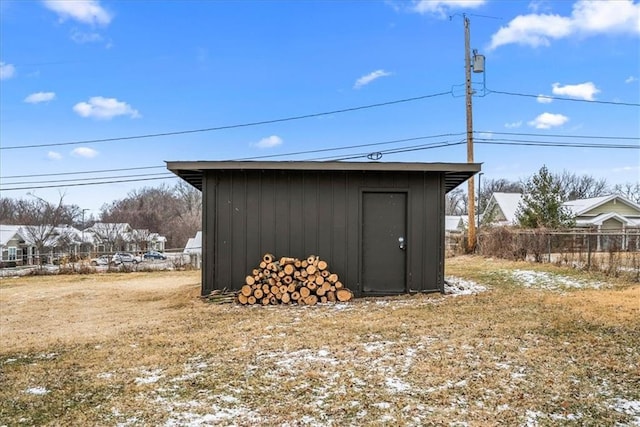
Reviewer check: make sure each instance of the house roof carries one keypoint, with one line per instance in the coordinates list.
(455, 173)
(581, 206)
(7, 232)
(600, 219)
(194, 244)
(453, 223)
(508, 204)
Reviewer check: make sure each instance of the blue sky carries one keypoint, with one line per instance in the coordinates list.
(79, 71)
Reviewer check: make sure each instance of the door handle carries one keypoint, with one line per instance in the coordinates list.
(401, 243)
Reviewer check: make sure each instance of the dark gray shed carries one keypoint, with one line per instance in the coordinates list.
(380, 226)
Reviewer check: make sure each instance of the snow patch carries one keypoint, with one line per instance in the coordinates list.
(397, 385)
(551, 281)
(149, 378)
(38, 391)
(456, 286)
(627, 407)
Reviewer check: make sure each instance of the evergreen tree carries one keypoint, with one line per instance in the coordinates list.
(541, 205)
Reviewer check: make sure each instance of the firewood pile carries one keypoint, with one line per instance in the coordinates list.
(292, 281)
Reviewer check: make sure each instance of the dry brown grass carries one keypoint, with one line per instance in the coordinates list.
(142, 349)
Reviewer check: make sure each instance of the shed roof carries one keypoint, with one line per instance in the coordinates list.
(455, 173)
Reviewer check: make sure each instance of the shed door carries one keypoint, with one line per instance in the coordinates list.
(384, 217)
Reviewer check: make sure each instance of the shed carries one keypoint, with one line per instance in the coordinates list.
(379, 226)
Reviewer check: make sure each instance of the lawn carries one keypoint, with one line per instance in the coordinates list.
(538, 345)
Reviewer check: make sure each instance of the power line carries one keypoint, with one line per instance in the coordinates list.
(631, 138)
(78, 179)
(347, 147)
(82, 172)
(560, 98)
(394, 151)
(87, 183)
(267, 156)
(554, 144)
(234, 126)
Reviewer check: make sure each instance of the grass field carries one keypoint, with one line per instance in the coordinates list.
(541, 346)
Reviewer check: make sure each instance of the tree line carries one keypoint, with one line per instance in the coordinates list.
(172, 211)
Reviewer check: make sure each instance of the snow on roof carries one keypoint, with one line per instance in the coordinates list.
(580, 206)
(453, 223)
(508, 203)
(194, 244)
(598, 220)
(7, 232)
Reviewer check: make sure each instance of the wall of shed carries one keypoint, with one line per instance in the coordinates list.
(298, 213)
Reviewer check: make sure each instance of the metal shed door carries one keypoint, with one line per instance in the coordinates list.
(384, 217)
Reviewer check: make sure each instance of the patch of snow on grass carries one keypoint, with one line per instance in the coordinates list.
(627, 407)
(150, 377)
(38, 391)
(397, 385)
(456, 286)
(550, 281)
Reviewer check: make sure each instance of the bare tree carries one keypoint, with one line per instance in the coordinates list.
(40, 219)
(456, 202)
(111, 235)
(630, 190)
(174, 212)
(491, 186)
(573, 186)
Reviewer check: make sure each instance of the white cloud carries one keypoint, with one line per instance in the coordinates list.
(81, 37)
(86, 152)
(7, 71)
(105, 108)
(548, 120)
(36, 98)
(84, 11)
(631, 79)
(513, 125)
(53, 155)
(584, 91)
(542, 99)
(365, 80)
(587, 18)
(269, 142)
(440, 7)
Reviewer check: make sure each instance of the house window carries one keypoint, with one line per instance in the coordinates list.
(12, 253)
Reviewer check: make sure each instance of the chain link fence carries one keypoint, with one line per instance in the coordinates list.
(614, 253)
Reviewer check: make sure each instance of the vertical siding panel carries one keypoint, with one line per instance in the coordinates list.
(238, 229)
(281, 213)
(325, 215)
(253, 235)
(223, 222)
(267, 213)
(296, 227)
(310, 213)
(209, 233)
(340, 215)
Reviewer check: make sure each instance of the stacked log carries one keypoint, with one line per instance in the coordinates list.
(292, 281)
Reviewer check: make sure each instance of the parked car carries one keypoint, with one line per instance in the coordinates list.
(154, 255)
(123, 257)
(101, 260)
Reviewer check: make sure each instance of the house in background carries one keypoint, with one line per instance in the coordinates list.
(501, 209)
(107, 237)
(194, 244)
(612, 214)
(13, 246)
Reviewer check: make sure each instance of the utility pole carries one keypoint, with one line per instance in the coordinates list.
(471, 236)
(477, 67)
